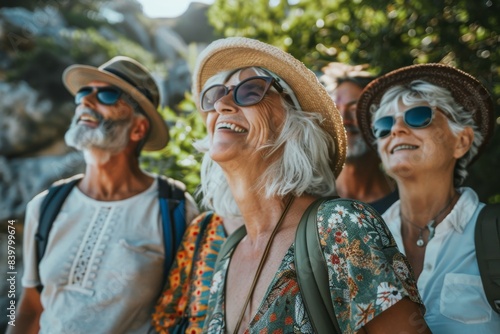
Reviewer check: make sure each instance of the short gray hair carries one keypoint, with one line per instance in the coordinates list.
(419, 91)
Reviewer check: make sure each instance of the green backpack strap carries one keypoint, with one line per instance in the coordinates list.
(487, 241)
(312, 273)
(231, 241)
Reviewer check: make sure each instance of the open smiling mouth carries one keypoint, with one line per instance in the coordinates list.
(232, 127)
(88, 118)
(403, 147)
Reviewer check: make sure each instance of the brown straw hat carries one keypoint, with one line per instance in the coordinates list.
(465, 89)
(135, 80)
(239, 52)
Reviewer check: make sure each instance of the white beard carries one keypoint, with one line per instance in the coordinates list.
(357, 149)
(110, 136)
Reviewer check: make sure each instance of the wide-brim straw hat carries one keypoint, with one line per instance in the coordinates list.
(239, 52)
(132, 78)
(465, 89)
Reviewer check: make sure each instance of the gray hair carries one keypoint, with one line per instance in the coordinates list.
(138, 113)
(336, 73)
(303, 167)
(419, 91)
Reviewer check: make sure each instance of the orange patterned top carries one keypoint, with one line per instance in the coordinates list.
(178, 292)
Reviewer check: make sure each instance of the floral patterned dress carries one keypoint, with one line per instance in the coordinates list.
(367, 275)
(179, 290)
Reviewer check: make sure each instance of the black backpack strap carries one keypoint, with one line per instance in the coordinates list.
(487, 242)
(312, 273)
(173, 214)
(51, 205)
(49, 209)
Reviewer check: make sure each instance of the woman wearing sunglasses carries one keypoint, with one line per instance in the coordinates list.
(429, 123)
(275, 143)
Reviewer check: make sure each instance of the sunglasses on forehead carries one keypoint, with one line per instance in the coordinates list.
(105, 95)
(416, 118)
(248, 92)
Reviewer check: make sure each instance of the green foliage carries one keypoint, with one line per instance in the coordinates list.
(94, 48)
(494, 199)
(89, 19)
(385, 34)
(179, 159)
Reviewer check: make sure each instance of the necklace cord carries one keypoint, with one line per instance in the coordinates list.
(261, 263)
(430, 224)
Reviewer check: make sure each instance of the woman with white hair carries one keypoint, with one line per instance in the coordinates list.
(429, 123)
(275, 144)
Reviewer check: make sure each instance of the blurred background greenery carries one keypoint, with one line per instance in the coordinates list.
(386, 35)
(179, 160)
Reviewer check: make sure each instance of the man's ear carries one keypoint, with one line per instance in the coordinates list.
(464, 142)
(139, 129)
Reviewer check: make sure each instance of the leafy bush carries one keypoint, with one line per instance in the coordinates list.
(179, 159)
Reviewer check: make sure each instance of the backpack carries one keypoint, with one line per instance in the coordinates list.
(311, 269)
(313, 278)
(487, 242)
(172, 207)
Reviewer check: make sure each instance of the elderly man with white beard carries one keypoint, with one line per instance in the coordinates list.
(103, 264)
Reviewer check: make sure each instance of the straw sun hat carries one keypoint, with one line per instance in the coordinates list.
(465, 89)
(132, 78)
(239, 52)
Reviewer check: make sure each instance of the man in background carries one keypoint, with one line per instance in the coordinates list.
(362, 177)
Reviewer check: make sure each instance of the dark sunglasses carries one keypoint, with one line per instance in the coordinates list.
(105, 95)
(416, 118)
(248, 92)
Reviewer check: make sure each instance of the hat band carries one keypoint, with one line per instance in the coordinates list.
(144, 91)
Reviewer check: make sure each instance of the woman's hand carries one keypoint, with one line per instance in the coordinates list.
(403, 317)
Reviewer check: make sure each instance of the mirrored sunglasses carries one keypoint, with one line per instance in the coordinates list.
(416, 118)
(105, 95)
(248, 92)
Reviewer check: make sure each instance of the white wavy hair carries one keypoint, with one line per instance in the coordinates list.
(419, 91)
(303, 166)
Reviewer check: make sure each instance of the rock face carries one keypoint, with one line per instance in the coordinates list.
(35, 109)
(29, 122)
(32, 153)
(31, 176)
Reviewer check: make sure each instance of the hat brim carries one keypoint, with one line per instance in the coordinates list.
(465, 89)
(239, 52)
(77, 76)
